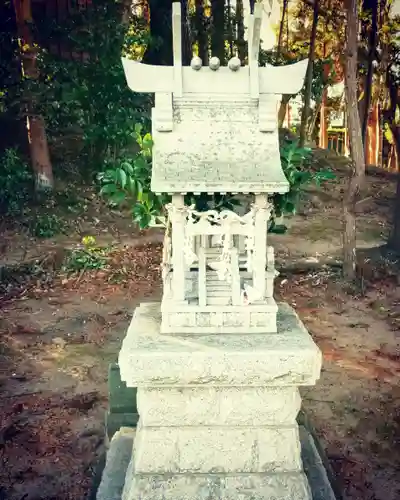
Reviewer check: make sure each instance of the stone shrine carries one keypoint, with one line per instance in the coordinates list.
(218, 363)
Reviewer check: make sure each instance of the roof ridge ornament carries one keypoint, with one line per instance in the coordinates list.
(252, 80)
(177, 47)
(254, 49)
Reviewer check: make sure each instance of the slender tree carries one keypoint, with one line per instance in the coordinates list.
(36, 128)
(201, 32)
(393, 79)
(285, 97)
(240, 30)
(281, 27)
(309, 76)
(159, 51)
(357, 174)
(371, 6)
(218, 29)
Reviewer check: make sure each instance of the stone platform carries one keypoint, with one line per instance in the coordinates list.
(119, 457)
(217, 412)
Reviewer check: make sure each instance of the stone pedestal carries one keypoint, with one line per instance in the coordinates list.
(217, 412)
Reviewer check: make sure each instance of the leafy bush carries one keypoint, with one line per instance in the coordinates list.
(126, 184)
(46, 225)
(87, 257)
(16, 183)
(296, 166)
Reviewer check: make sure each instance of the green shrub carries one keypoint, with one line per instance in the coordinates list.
(86, 257)
(125, 183)
(296, 166)
(16, 183)
(46, 225)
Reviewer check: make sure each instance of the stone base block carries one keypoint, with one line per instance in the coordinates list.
(277, 486)
(120, 454)
(213, 449)
(151, 359)
(218, 406)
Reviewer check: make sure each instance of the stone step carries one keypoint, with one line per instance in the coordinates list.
(218, 300)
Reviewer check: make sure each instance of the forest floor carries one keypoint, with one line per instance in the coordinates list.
(59, 332)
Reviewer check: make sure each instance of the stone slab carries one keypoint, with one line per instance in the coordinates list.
(229, 406)
(217, 449)
(117, 462)
(314, 468)
(287, 358)
(119, 455)
(278, 486)
(121, 398)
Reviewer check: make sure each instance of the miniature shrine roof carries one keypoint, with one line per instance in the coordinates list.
(215, 128)
(216, 146)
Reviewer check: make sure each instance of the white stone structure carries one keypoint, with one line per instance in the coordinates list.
(217, 374)
(215, 130)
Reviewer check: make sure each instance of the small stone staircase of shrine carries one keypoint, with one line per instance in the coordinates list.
(219, 293)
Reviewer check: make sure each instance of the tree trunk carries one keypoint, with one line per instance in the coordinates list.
(394, 240)
(160, 51)
(373, 39)
(187, 52)
(38, 147)
(40, 156)
(309, 77)
(356, 146)
(201, 32)
(241, 45)
(316, 113)
(281, 28)
(283, 108)
(218, 30)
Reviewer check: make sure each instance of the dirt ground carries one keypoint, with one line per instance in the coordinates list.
(59, 334)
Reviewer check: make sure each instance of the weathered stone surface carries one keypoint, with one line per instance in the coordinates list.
(277, 486)
(314, 468)
(113, 476)
(217, 449)
(232, 406)
(227, 320)
(120, 397)
(286, 358)
(229, 150)
(114, 421)
(118, 457)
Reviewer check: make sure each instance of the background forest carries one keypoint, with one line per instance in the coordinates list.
(67, 114)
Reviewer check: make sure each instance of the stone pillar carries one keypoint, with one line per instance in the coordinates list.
(262, 215)
(217, 413)
(178, 244)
